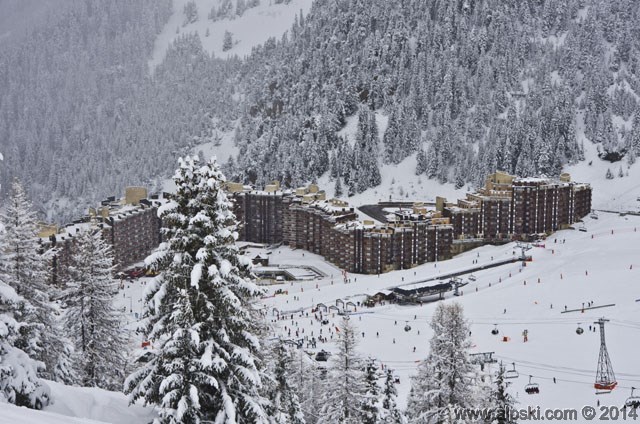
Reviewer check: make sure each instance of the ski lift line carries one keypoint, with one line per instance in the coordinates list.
(625, 323)
(505, 321)
(494, 322)
(585, 383)
(631, 327)
(548, 366)
(590, 384)
(589, 375)
(489, 319)
(567, 370)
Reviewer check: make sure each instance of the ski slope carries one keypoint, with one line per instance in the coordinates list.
(601, 265)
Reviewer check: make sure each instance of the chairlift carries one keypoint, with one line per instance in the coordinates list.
(532, 388)
(512, 373)
(593, 215)
(407, 327)
(632, 401)
(579, 330)
(495, 330)
(472, 277)
(582, 228)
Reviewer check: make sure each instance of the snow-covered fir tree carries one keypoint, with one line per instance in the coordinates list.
(446, 378)
(25, 265)
(344, 386)
(22, 265)
(19, 382)
(421, 162)
(309, 381)
(337, 190)
(227, 41)
(500, 401)
(609, 174)
(285, 405)
(200, 311)
(365, 168)
(390, 412)
(190, 13)
(371, 408)
(91, 320)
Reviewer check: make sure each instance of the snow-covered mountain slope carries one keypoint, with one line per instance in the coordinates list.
(255, 26)
(574, 268)
(618, 193)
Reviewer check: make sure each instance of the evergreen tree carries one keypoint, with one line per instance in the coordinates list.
(391, 139)
(285, 403)
(227, 41)
(445, 378)
(609, 174)
(200, 311)
(345, 388)
(371, 411)
(19, 382)
(421, 166)
(365, 165)
(27, 269)
(22, 266)
(91, 320)
(337, 192)
(308, 378)
(190, 13)
(390, 412)
(500, 401)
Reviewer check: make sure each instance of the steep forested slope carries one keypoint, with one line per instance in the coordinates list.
(470, 86)
(80, 115)
(466, 86)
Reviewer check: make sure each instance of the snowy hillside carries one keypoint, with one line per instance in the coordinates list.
(573, 268)
(253, 27)
(618, 193)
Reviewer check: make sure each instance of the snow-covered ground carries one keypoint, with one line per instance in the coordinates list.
(619, 194)
(79, 405)
(254, 27)
(573, 268)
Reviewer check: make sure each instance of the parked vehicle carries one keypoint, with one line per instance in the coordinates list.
(322, 356)
(145, 357)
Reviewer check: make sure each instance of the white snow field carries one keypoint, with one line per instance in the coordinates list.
(254, 27)
(612, 262)
(600, 265)
(79, 405)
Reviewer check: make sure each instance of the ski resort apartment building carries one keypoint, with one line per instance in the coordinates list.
(305, 219)
(506, 208)
(130, 225)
